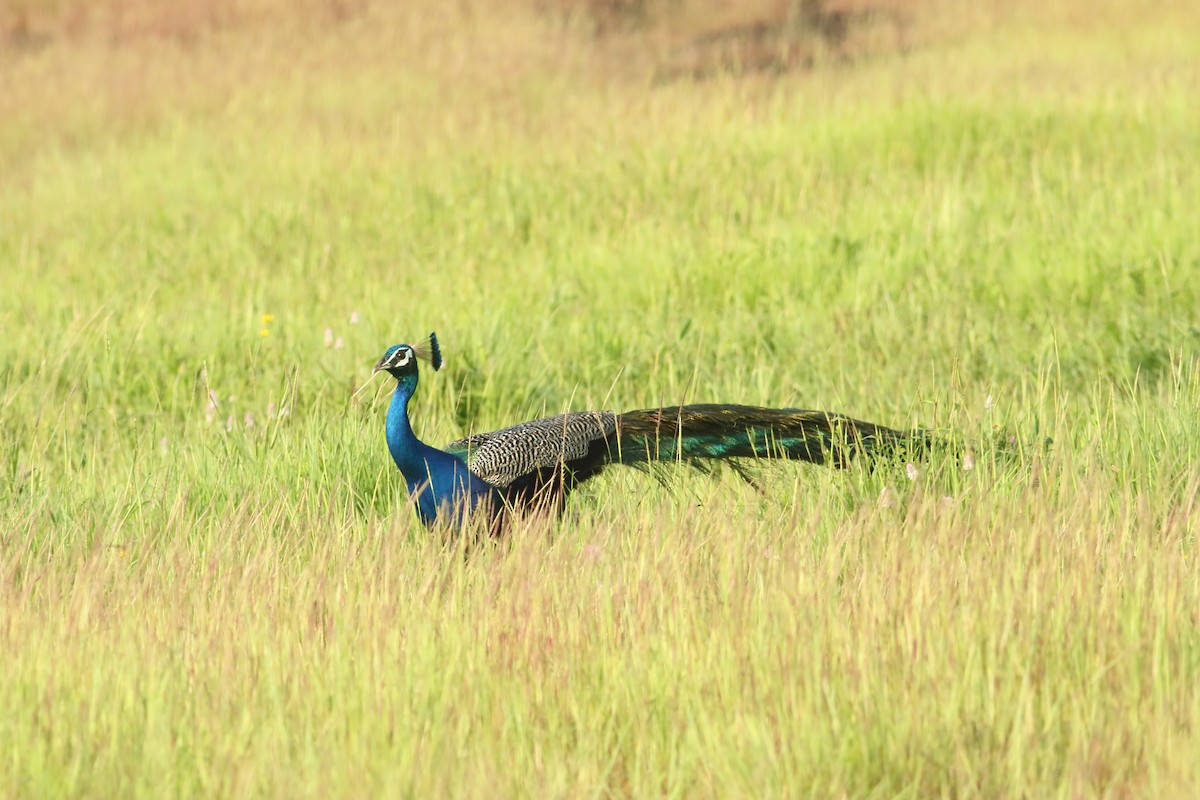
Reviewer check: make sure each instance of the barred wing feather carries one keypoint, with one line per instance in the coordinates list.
(541, 445)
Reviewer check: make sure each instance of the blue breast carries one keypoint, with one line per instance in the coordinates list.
(444, 488)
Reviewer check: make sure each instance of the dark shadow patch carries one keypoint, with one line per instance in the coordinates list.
(799, 36)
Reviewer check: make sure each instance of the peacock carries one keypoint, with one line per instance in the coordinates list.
(535, 465)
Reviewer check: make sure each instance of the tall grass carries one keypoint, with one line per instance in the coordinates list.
(210, 579)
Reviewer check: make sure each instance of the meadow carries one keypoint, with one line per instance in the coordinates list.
(978, 219)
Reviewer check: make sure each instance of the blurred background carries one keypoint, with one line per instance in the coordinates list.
(598, 200)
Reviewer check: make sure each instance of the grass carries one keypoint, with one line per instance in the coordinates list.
(990, 234)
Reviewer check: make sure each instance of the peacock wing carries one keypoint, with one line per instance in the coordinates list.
(577, 441)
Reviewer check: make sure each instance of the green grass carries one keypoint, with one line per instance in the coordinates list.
(237, 600)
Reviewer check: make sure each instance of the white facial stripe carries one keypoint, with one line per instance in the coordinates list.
(401, 357)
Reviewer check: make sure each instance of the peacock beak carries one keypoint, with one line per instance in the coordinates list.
(382, 365)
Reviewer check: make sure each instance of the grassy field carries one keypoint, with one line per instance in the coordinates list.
(214, 218)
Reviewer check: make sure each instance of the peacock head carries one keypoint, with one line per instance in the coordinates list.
(401, 359)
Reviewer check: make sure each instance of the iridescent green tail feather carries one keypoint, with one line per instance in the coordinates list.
(720, 431)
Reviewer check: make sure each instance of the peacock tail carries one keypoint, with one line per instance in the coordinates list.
(720, 431)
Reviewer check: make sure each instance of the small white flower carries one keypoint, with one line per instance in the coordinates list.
(353, 317)
(210, 409)
(248, 420)
(887, 498)
(329, 337)
(339, 344)
(968, 461)
(162, 445)
(988, 403)
(910, 469)
(229, 423)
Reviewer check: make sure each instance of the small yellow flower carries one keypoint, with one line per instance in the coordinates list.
(267, 319)
(264, 332)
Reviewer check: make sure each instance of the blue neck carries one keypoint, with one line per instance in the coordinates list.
(402, 443)
(439, 482)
